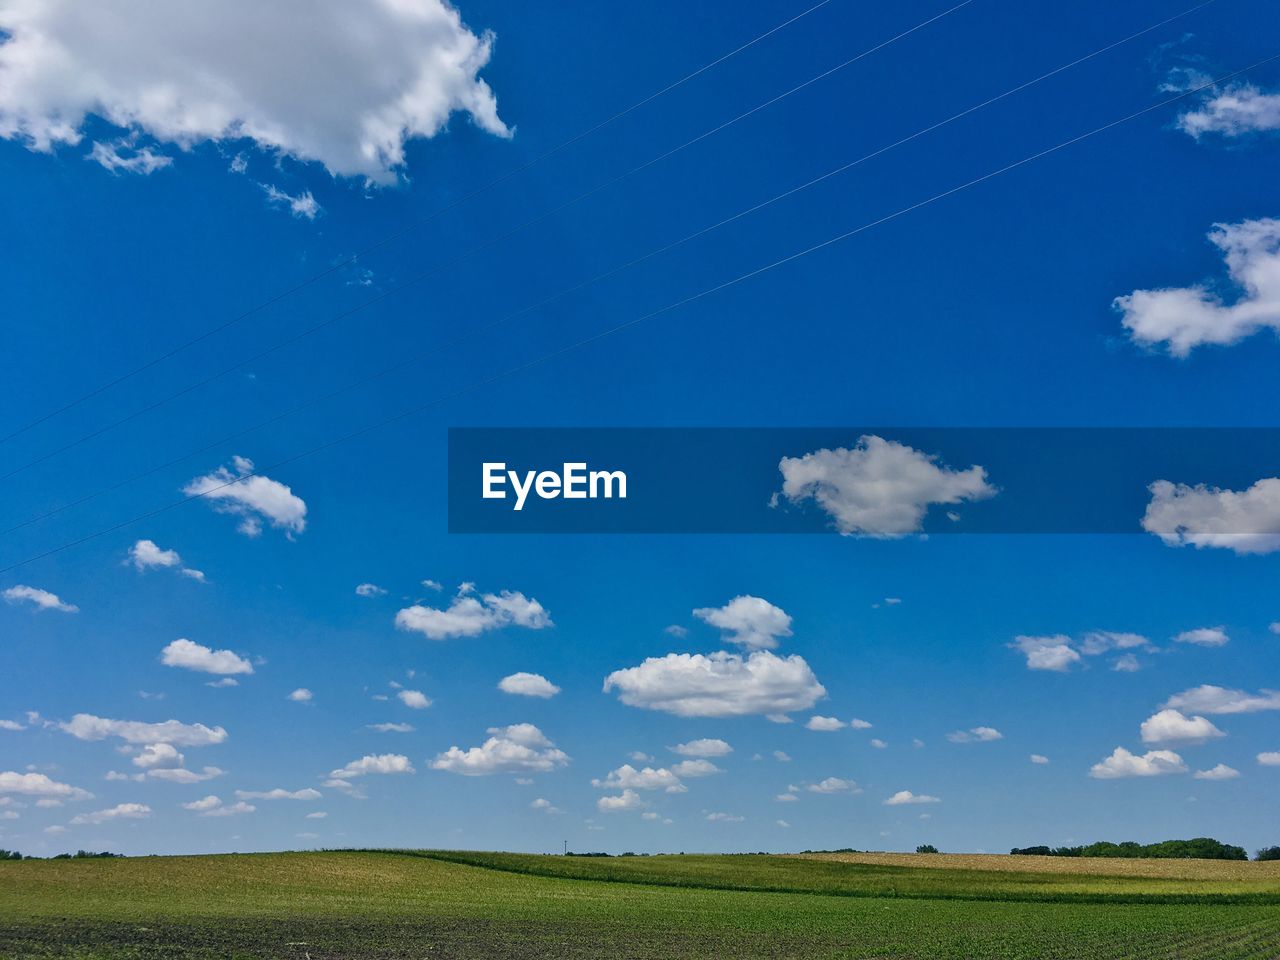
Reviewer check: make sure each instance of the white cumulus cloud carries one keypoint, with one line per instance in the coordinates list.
(40, 599)
(146, 554)
(1174, 726)
(121, 811)
(1207, 698)
(519, 748)
(383, 763)
(39, 785)
(904, 797)
(86, 726)
(1047, 653)
(1204, 637)
(718, 684)
(1183, 318)
(975, 735)
(470, 615)
(414, 699)
(879, 488)
(627, 800)
(834, 785)
(749, 622)
(279, 793)
(824, 724)
(193, 656)
(1122, 763)
(1233, 111)
(1219, 772)
(705, 747)
(528, 685)
(342, 84)
(254, 498)
(1245, 521)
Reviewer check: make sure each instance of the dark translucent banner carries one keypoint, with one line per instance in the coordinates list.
(1193, 485)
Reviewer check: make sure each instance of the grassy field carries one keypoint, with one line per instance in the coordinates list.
(459, 905)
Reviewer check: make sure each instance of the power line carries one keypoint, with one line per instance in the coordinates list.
(190, 388)
(391, 238)
(692, 298)
(418, 357)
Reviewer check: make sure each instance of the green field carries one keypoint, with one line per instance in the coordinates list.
(463, 905)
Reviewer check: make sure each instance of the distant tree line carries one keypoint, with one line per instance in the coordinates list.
(78, 855)
(1201, 848)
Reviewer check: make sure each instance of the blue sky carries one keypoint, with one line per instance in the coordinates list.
(995, 306)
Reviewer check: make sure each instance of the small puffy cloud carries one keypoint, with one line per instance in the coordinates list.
(1047, 653)
(147, 555)
(675, 630)
(255, 498)
(546, 806)
(781, 756)
(1183, 318)
(40, 599)
(85, 726)
(904, 797)
(1219, 772)
(878, 743)
(39, 785)
(301, 695)
(856, 724)
(1173, 726)
(1103, 641)
(724, 818)
(1126, 663)
(627, 800)
(206, 803)
(975, 735)
(183, 775)
(414, 699)
(824, 724)
(782, 823)
(193, 656)
(470, 615)
(718, 684)
(370, 590)
(528, 685)
(1122, 763)
(279, 793)
(787, 798)
(879, 488)
(834, 785)
(12, 725)
(433, 585)
(706, 747)
(1221, 700)
(218, 684)
(383, 763)
(347, 92)
(391, 727)
(648, 778)
(121, 811)
(689, 769)
(1233, 111)
(1039, 758)
(519, 748)
(230, 810)
(1269, 758)
(1245, 521)
(1204, 637)
(158, 755)
(748, 622)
